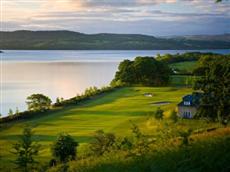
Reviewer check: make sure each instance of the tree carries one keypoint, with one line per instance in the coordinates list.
(38, 102)
(159, 113)
(185, 135)
(10, 113)
(214, 82)
(17, 111)
(141, 143)
(103, 142)
(26, 150)
(58, 101)
(173, 116)
(64, 148)
(143, 70)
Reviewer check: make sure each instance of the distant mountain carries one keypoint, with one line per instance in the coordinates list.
(223, 37)
(67, 40)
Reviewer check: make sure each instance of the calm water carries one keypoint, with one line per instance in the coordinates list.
(59, 73)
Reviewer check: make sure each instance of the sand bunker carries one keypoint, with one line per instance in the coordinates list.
(148, 95)
(160, 103)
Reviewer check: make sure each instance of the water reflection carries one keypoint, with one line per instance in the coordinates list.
(64, 79)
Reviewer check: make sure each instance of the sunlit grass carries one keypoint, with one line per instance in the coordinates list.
(111, 113)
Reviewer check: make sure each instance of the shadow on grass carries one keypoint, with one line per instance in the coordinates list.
(212, 155)
(38, 138)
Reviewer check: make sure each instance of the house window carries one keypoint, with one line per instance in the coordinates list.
(186, 103)
(187, 114)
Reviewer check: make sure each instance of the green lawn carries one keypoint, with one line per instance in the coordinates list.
(182, 80)
(112, 113)
(184, 67)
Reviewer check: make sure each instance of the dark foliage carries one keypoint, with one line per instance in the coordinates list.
(144, 71)
(103, 142)
(159, 113)
(65, 148)
(214, 82)
(190, 56)
(38, 102)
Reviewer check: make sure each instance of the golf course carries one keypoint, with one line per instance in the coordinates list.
(118, 128)
(111, 113)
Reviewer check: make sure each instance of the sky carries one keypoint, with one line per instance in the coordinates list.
(151, 17)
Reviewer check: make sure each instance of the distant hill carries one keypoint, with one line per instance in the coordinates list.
(67, 40)
(223, 37)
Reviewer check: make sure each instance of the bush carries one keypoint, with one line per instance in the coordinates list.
(159, 113)
(64, 148)
(141, 143)
(103, 142)
(185, 135)
(173, 116)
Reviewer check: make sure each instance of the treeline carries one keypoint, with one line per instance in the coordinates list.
(40, 105)
(89, 93)
(189, 56)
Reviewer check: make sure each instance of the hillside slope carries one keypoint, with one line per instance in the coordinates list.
(67, 40)
(111, 113)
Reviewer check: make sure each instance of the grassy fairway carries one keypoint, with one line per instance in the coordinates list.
(112, 113)
(184, 66)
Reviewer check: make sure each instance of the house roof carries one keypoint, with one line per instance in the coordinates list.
(191, 100)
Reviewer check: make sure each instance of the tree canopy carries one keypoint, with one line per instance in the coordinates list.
(214, 82)
(38, 102)
(64, 148)
(144, 71)
(188, 56)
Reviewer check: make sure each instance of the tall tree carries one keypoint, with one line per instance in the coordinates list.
(214, 82)
(26, 150)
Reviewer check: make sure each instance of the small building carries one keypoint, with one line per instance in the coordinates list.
(187, 108)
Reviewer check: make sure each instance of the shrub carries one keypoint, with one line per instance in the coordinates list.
(64, 148)
(141, 143)
(103, 142)
(173, 116)
(159, 113)
(185, 135)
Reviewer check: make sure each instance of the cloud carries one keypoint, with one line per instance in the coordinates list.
(124, 16)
